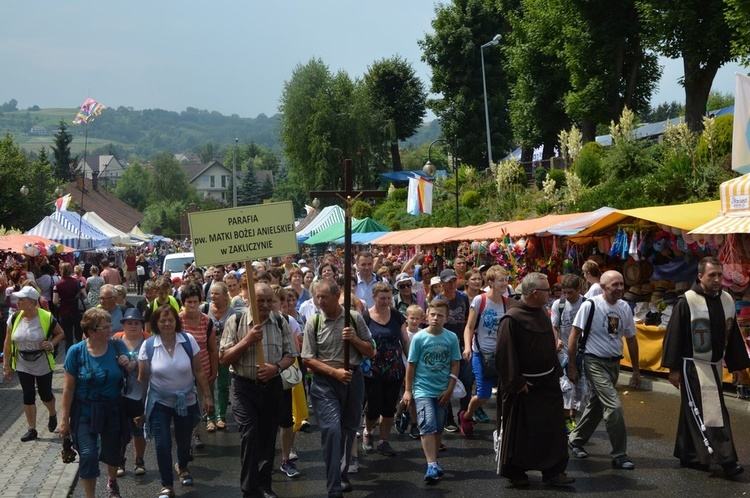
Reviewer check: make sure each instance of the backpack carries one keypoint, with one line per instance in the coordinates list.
(561, 305)
(186, 345)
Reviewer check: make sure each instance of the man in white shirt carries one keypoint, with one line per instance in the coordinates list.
(365, 278)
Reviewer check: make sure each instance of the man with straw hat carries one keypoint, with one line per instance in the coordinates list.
(702, 332)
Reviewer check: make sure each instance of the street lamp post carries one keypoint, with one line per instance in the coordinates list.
(234, 173)
(490, 43)
(430, 170)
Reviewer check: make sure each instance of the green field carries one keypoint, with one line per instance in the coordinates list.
(34, 143)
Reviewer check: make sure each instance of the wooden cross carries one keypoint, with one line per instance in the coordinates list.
(348, 195)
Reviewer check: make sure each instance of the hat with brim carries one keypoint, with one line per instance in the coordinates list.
(630, 297)
(404, 277)
(435, 281)
(631, 272)
(647, 270)
(132, 314)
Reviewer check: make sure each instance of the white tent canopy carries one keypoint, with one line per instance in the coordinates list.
(118, 237)
(327, 217)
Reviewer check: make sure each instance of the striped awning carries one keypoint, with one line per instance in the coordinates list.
(74, 223)
(327, 217)
(50, 229)
(724, 225)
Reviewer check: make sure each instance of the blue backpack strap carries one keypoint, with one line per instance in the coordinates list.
(188, 347)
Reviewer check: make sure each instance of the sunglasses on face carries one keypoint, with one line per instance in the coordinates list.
(404, 286)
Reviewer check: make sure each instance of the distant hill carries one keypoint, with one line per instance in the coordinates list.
(143, 133)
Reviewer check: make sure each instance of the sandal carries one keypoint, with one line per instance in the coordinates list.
(166, 492)
(210, 426)
(184, 474)
(221, 425)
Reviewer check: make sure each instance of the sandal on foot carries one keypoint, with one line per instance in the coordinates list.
(166, 492)
(184, 474)
(210, 426)
(221, 424)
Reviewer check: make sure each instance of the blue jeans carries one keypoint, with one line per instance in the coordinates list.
(484, 384)
(91, 453)
(430, 416)
(161, 419)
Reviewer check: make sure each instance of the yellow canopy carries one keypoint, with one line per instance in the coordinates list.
(682, 216)
(725, 225)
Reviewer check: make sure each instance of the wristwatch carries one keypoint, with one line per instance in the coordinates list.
(278, 369)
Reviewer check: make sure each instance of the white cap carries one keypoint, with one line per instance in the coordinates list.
(27, 292)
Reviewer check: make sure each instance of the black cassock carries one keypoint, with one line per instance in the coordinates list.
(702, 380)
(533, 429)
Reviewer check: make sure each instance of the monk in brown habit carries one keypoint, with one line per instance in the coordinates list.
(532, 434)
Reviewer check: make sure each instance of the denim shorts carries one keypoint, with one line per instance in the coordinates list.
(484, 384)
(430, 416)
(95, 448)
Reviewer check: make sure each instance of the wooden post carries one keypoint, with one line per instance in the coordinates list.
(348, 195)
(260, 357)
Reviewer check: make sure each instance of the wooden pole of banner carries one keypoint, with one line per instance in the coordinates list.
(260, 357)
(348, 195)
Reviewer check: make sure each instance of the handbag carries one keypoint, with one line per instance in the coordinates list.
(291, 376)
(459, 390)
(488, 364)
(82, 303)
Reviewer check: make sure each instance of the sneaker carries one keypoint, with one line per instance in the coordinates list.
(367, 441)
(451, 426)
(466, 426)
(289, 469)
(439, 468)
(353, 465)
(431, 476)
(52, 423)
(198, 442)
(305, 426)
(578, 452)
(293, 456)
(414, 432)
(624, 463)
(384, 448)
(481, 416)
(140, 467)
(120, 471)
(113, 489)
(30, 435)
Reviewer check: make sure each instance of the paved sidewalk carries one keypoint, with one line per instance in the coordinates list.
(32, 469)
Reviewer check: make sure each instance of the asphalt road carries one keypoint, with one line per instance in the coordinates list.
(470, 467)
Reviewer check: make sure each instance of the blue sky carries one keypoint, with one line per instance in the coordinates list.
(231, 57)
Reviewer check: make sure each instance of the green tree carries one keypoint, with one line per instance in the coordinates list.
(325, 119)
(164, 214)
(461, 27)
(248, 190)
(737, 14)
(16, 210)
(169, 181)
(398, 97)
(133, 186)
(697, 32)
(540, 78)
(65, 163)
(609, 66)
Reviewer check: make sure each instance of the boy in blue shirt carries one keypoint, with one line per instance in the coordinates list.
(431, 375)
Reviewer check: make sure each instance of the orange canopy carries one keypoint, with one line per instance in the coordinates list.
(14, 243)
(520, 228)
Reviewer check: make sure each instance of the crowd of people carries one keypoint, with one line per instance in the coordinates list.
(420, 349)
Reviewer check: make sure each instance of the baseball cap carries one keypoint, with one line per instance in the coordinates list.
(448, 275)
(27, 292)
(301, 262)
(434, 280)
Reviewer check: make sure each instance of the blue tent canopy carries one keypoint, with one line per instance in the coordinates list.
(361, 238)
(403, 176)
(50, 229)
(73, 222)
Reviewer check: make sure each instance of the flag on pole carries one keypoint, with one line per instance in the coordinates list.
(741, 131)
(89, 110)
(62, 203)
(419, 198)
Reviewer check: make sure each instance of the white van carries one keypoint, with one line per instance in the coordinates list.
(175, 262)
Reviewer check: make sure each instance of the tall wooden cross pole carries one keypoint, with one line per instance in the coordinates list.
(349, 195)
